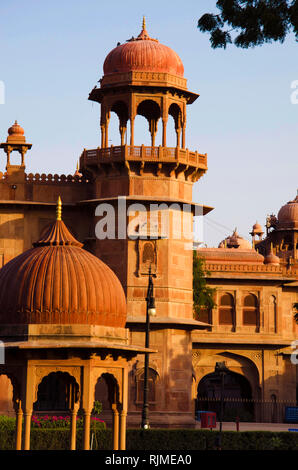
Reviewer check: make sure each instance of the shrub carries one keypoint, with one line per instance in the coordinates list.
(58, 438)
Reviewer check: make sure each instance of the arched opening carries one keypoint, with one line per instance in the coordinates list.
(118, 126)
(58, 391)
(150, 110)
(113, 131)
(237, 396)
(141, 134)
(152, 380)
(107, 393)
(250, 310)
(6, 396)
(226, 310)
(174, 138)
(273, 314)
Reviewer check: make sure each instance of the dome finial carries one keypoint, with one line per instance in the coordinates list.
(143, 34)
(59, 209)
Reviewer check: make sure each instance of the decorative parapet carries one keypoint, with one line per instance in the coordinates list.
(254, 268)
(193, 163)
(43, 178)
(266, 269)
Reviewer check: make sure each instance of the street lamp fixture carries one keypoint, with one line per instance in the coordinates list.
(150, 311)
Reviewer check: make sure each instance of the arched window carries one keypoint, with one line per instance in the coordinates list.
(152, 379)
(250, 310)
(273, 313)
(148, 256)
(226, 310)
(204, 314)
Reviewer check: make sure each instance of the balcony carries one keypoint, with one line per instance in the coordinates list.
(177, 158)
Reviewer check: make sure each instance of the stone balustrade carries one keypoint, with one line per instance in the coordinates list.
(137, 153)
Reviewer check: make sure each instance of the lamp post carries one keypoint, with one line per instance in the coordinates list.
(150, 311)
(221, 370)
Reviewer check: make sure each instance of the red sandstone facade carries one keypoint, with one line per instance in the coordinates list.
(143, 77)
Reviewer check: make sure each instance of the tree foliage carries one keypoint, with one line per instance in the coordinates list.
(254, 22)
(203, 295)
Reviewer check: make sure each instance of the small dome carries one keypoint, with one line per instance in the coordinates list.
(58, 282)
(143, 54)
(288, 215)
(16, 129)
(271, 258)
(257, 227)
(235, 241)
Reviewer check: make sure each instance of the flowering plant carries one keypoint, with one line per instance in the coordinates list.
(47, 421)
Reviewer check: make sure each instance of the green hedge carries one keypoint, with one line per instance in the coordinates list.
(188, 439)
(56, 439)
(159, 439)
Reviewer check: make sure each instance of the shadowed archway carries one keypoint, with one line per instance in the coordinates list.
(237, 396)
(58, 391)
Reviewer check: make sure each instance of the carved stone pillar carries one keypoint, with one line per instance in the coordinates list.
(115, 426)
(8, 151)
(122, 130)
(87, 417)
(107, 120)
(132, 125)
(164, 132)
(102, 127)
(23, 152)
(183, 135)
(122, 440)
(178, 134)
(123, 412)
(27, 404)
(19, 423)
(87, 404)
(73, 426)
(153, 129)
(27, 423)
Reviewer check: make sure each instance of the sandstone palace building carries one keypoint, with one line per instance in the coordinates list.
(51, 306)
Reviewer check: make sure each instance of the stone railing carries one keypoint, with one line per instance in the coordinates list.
(43, 178)
(154, 154)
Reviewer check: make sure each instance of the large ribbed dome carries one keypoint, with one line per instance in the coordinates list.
(288, 215)
(143, 54)
(58, 282)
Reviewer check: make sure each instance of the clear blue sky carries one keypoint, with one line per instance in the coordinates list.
(51, 57)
